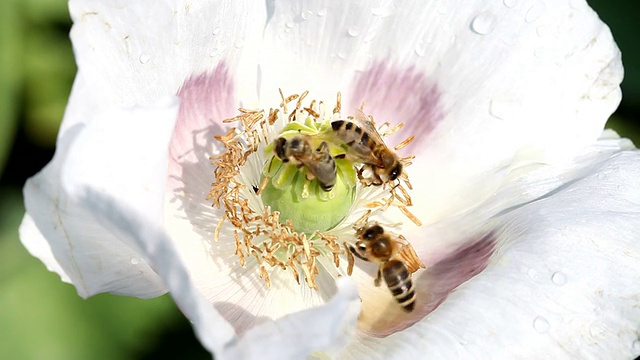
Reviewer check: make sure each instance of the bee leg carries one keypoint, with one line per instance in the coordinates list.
(270, 163)
(378, 279)
(323, 147)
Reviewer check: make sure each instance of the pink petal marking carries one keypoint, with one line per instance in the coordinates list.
(434, 285)
(206, 100)
(396, 94)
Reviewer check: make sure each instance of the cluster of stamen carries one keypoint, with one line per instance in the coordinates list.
(259, 232)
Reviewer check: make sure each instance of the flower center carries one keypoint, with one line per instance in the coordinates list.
(292, 186)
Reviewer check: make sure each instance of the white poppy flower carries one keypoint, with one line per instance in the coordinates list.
(530, 213)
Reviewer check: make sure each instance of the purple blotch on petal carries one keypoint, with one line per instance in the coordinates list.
(437, 282)
(395, 94)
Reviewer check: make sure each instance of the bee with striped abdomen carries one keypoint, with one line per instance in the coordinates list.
(396, 259)
(365, 145)
(319, 162)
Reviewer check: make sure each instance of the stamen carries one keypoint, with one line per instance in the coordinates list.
(247, 172)
(404, 143)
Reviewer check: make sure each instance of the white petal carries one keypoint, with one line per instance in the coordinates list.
(562, 280)
(327, 327)
(115, 152)
(286, 338)
(146, 237)
(136, 52)
(238, 292)
(38, 246)
(478, 83)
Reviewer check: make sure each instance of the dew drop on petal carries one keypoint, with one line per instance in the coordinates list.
(218, 49)
(217, 30)
(134, 261)
(559, 278)
(596, 330)
(353, 31)
(533, 274)
(543, 31)
(510, 3)
(483, 23)
(342, 55)
(370, 36)
(378, 11)
(289, 24)
(239, 43)
(534, 12)
(542, 53)
(503, 109)
(541, 325)
(421, 49)
(144, 58)
(306, 14)
(322, 12)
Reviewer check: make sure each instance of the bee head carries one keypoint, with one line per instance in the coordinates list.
(296, 144)
(279, 148)
(395, 171)
(372, 232)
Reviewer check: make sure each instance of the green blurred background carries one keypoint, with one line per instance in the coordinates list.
(43, 318)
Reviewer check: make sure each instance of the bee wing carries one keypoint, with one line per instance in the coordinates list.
(408, 255)
(361, 119)
(322, 165)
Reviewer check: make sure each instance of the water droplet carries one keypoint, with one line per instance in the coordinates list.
(503, 109)
(541, 325)
(543, 31)
(370, 36)
(534, 12)
(239, 43)
(378, 11)
(322, 12)
(342, 55)
(559, 278)
(421, 49)
(289, 24)
(306, 14)
(510, 3)
(218, 49)
(597, 330)
(217, 30)
(134, 261)
(144, 58)
(353, 31)
(636, 346)
(483, 23)
(533, 274)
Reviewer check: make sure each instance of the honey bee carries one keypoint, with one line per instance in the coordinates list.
(366, 146)
(319, 162)
(396, 258)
